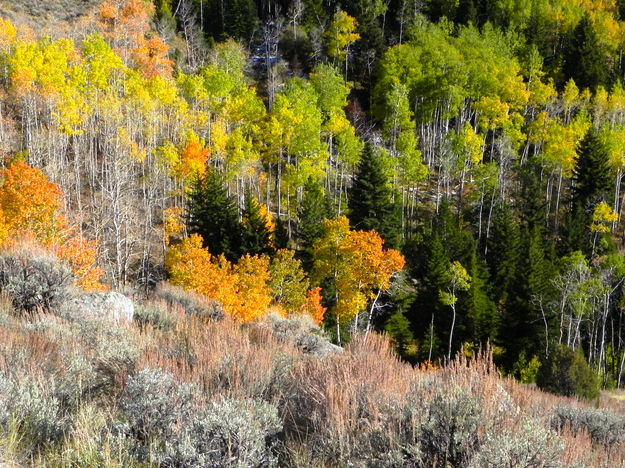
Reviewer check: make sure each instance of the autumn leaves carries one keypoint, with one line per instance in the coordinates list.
(353, 264)
(31, 210)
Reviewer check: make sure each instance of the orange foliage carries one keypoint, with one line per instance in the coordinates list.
(125, 19)
(369, 263)
(81, 254)
(192, 160)
(126, 23)
(357, 263)
(242, 289)
(313, 306)
(30, 208)
(30, 202)
(150, 57)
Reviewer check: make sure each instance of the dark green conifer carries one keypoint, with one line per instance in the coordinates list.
(255, 236)
(584, 59)
(592, 176)
(481, 313)
(503, 254)
(311, 212)
(213, 215)
(466, 12)
(281, 234)
(371, 201)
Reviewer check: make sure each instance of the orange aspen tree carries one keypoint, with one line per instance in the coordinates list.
(31, 208)
(358, 266)
(242, 289)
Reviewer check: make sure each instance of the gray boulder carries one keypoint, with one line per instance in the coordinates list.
(111, 306)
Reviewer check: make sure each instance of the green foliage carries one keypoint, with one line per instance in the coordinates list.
(214, 216)
(525, 371)
(288, 281)
(311, 212)
(371, 204)
(584, 58)
(566, 372)
(255, 235)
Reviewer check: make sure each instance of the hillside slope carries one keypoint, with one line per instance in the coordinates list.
(50, 17)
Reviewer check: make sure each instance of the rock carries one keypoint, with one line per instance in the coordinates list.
(96, 305)
(317, 345)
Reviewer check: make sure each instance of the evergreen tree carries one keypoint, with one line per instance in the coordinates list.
(479, 309)
(242, 18)
(214, 216)
(371, 202)
(592, 179)
(503, 254)
(280, 235)
(584, 60)
(576, 234)
(621, 9)
(466, 12)
(311, 212)
(255, 235)
(427, 315)
(523, 323)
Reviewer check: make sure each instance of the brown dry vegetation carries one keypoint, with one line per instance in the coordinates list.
(54, 18)
(359, 407)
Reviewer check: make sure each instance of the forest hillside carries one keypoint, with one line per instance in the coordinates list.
(447, 174)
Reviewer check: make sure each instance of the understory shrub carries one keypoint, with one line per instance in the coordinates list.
(34, 281)
(155, 315)
(31, 408)
(530, 446)
(300, 331)
(173, 427)
(153, 403)
(191, 303)
(566, 372)
(449, 434)
(604, 427)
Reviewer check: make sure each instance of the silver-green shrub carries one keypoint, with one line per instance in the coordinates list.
(191, 303)
(172, 428)
(449, 433)
(34, 282)
(154, 315)
(604, 427)
(154, 404)
(32, 407)
(237, 433)
(532, 446)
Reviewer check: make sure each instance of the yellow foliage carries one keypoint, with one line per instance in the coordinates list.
(173, 226)
(340, 35)
(8, 33)
(357, 263)
(602, 217)
(493, 113)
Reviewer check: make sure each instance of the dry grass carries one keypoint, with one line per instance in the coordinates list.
(354, 407)
(54, 18)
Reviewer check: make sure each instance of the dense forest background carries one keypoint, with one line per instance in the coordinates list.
(485, 140)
